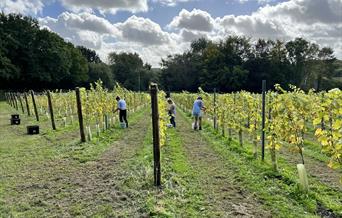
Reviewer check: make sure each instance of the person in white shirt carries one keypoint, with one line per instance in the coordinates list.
(122, 108)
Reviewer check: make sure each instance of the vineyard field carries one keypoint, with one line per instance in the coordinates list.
(214, 172)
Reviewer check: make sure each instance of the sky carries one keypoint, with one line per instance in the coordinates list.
(157, 28)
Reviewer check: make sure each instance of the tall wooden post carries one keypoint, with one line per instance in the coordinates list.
(34, 105)
(156, 136)
(27, 105)
(12, 98)
(7, 99)
(51, 110)
(15, 101)
(21, 103)
(263, 120)
(80, 115)
(215, 115)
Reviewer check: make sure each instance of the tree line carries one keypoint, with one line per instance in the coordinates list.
(36, 58)
(238, 63)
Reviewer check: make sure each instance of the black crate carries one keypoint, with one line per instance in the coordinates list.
(15, 116)
(32, 130)
(15, 121)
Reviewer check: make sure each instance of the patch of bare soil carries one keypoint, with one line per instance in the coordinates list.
(224, 196)
(67, 188)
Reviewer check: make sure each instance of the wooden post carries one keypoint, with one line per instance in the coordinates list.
(215, 116)
(51, 110)
(263, 120)
(11, 99)
(21, 103)
(27, 105)
(15, 101)
(80, 115)
(7, 98)
(156, 136)
(106, 121)
(34, 105)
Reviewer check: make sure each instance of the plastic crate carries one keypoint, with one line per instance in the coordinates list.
(15, 121)
(32, 130)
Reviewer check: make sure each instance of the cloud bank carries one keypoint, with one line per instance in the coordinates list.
(315, 20)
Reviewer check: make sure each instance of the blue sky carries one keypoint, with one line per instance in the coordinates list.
(157, 28)
(163, 14)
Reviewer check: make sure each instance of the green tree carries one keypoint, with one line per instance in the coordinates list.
(34, 58)
(130, 71)
(302, 54)
(90, 55)
(326, 67)
(101, 71)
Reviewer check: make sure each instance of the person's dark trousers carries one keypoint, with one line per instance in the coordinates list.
(123, 116)
(173, 122)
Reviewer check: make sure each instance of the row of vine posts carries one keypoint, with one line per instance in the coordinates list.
(13, 98)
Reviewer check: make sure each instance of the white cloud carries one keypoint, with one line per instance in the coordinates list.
(90, 39)
(310, 19)
(194, 20)
(259, 1)
(189, 36)
(106, 6)
(87, 21)
(142, 30)
(136, 34)
(150, 54)
(171, 3)
(262, 2)
(315, 20)
(305, 11)
(82, 29)
(255, 26)
(27, 7)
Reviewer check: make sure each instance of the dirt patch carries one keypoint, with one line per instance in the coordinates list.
(224, 196)
(323, 212)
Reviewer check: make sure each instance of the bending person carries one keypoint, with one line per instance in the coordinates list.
(197, 109)
(172, 112)
(122, 108)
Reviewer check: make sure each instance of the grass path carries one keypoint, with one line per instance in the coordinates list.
(270, 191)
(40, 178)
(224, 196)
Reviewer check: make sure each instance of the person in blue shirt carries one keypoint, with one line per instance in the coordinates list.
(122, 108)
(197, 109)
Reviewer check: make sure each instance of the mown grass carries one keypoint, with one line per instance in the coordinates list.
(278, 191)
(283, 183)
(179, 195)
(20, 152)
